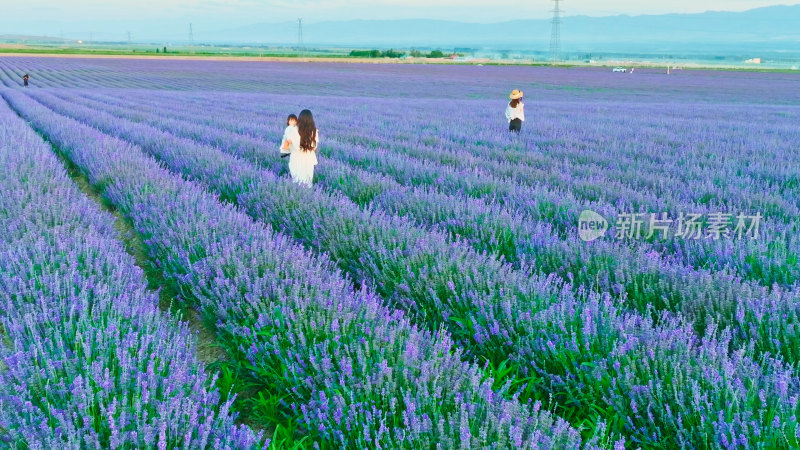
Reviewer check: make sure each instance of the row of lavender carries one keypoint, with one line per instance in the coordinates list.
(527, 182)
(597, 152)
(587, 353)
(410, 81)
(756, 315)
(352, 372)
(771, 259)
(87, 360)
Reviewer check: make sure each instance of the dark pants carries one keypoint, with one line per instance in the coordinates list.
(515, 125)
(25, 82)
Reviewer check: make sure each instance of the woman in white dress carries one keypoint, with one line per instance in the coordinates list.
(303, 144)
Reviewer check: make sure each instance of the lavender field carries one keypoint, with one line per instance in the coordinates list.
(164, 284)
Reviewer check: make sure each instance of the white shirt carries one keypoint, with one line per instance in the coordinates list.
(287, 133)
(515, 113)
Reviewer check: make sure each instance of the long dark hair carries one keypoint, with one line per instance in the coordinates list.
(515, 102)
(307, 130)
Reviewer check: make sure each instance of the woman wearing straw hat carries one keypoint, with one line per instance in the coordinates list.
(515, 111)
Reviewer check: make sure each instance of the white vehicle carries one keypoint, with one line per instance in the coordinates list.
(619, 69)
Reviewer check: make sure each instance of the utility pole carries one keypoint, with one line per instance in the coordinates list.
(129, 38)
(300, 36)
(555, 33)
(191, 38)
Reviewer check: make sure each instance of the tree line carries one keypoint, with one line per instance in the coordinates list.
(391, 53)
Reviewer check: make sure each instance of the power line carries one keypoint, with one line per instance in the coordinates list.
(555, 32)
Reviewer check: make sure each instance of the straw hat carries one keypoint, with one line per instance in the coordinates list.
(515, 94)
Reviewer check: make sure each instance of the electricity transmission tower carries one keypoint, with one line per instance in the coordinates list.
(300, 35)
(191, 39)
(555, 33)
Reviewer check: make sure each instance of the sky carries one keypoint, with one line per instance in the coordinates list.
(280, 10)
(72, 17)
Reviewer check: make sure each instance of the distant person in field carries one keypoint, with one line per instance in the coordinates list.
(515, 111)
(25, 80)
(291, 127)
(303, 144)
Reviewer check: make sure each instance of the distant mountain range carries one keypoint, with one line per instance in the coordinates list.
(774, 28)
(775, 25)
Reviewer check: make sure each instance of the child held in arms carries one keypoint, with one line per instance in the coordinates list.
(291, 125)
